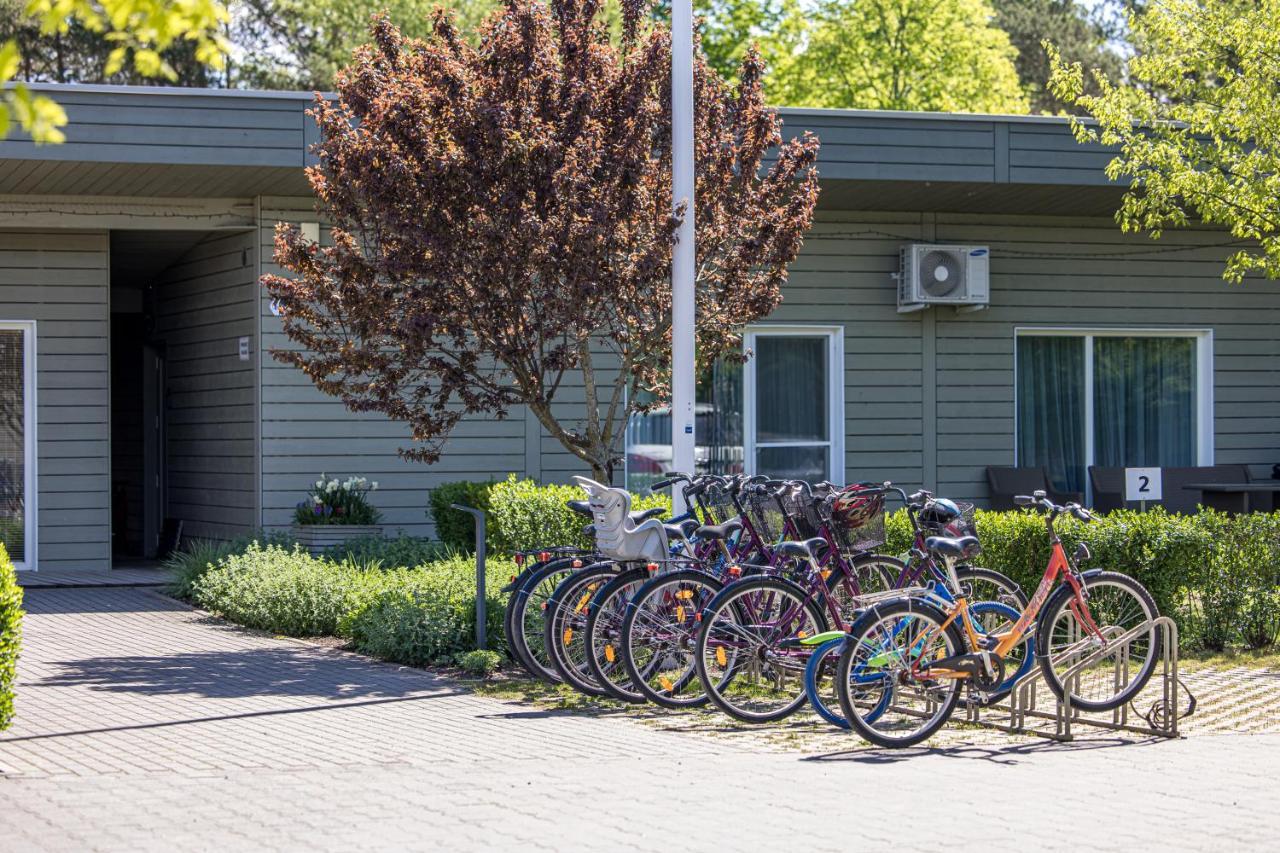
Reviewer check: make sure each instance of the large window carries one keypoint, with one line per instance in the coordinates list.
(780, 413)
(17, 441)
(1112, 398)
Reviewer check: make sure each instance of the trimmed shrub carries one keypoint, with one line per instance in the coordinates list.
(454, 528)
(479, 662)
(426, 614)
(285, 591)
(10, 635)
(525, 516)
(197, 556)
(377, 552)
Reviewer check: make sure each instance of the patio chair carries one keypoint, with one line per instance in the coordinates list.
(1004, 482)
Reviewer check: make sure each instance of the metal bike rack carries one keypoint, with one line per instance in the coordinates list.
(1023, 705)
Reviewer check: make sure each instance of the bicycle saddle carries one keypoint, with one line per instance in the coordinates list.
(719, 531)
(683, 530)
(960, 548)
(580, 507)
(805, 550)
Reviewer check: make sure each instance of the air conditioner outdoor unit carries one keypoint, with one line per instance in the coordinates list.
(943, 275)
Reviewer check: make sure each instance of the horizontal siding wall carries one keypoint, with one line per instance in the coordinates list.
(205, 304)
(929, 396)
(306, 433)
(60, 280)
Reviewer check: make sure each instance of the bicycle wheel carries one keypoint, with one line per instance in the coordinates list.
(884, 652)
(860, 576)
(509, 629)
(749, 656)
(604, 634)
(659, 635)
(565, 632)
(1118, 604)
(979, 584)
(528, 618)
(820, 686)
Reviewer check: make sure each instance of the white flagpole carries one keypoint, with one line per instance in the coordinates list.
(683, 370)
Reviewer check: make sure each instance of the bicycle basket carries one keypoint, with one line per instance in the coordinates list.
(965, 525)
(717, 505)
(766, 516)
(856, 519)
(803, 512)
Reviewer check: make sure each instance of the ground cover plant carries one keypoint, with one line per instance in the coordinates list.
(10, 635)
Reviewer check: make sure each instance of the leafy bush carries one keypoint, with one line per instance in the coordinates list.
(479, 662)
(10, 635)
(286, 591)
(337, 502)
(1217, 575)
(453, 527)
(526, 516)
(374, 552)
(426, 614)
(197, 556)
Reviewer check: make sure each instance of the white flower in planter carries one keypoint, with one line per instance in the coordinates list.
(333, 486)
(374, 485)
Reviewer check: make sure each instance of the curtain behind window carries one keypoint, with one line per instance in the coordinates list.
(13, 457)
(1144, 402)
(1051, 408)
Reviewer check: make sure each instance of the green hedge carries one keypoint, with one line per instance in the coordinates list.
(455, 528)
(526, 516)
(413, 615)
(1217, 575)
(10, 635)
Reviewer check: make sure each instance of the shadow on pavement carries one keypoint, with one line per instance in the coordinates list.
(221, 717)
(1009, 754)
(288, 671)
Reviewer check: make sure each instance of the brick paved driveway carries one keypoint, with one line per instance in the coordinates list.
(144, 725)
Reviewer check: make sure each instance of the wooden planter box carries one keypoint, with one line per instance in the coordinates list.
(317, 538)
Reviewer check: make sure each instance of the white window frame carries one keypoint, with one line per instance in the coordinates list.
(29, 562)
(1204, 379)
(835, 396)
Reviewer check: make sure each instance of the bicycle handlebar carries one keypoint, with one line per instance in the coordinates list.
(1040, 500)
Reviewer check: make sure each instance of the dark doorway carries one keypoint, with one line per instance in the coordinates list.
(139, 260)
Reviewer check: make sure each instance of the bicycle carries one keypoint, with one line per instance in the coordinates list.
(927, 515)
(922, 653)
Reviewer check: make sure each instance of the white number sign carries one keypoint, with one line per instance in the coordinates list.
(1142, 484)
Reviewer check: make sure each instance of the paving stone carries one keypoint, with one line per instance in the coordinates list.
(146, 725)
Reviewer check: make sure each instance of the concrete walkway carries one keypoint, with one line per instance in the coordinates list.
(144, 725)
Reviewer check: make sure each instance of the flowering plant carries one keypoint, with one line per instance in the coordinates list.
(333, 501)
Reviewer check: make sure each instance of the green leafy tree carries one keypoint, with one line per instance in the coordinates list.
(896, 54)
(139, 32)
(1195, 122)
(301, 44)
(1081, 35)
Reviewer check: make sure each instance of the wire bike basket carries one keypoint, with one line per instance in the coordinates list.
(854, 536)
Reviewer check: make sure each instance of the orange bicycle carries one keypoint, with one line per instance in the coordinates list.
(906, 660)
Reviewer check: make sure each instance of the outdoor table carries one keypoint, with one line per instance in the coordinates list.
(1238, 497)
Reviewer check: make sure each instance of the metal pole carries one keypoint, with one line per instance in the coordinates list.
(683, 259)
(481, 615)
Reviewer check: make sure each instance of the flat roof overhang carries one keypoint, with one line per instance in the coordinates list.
(162, 142)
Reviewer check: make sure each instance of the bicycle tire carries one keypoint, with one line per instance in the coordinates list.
(566, 622)
(677, 694)
(604, 622)
(1046, 625)
(529, 616)
(901, 608)
(718, 687)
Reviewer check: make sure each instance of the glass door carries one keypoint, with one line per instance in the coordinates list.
(794, 404)
(17, 442)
